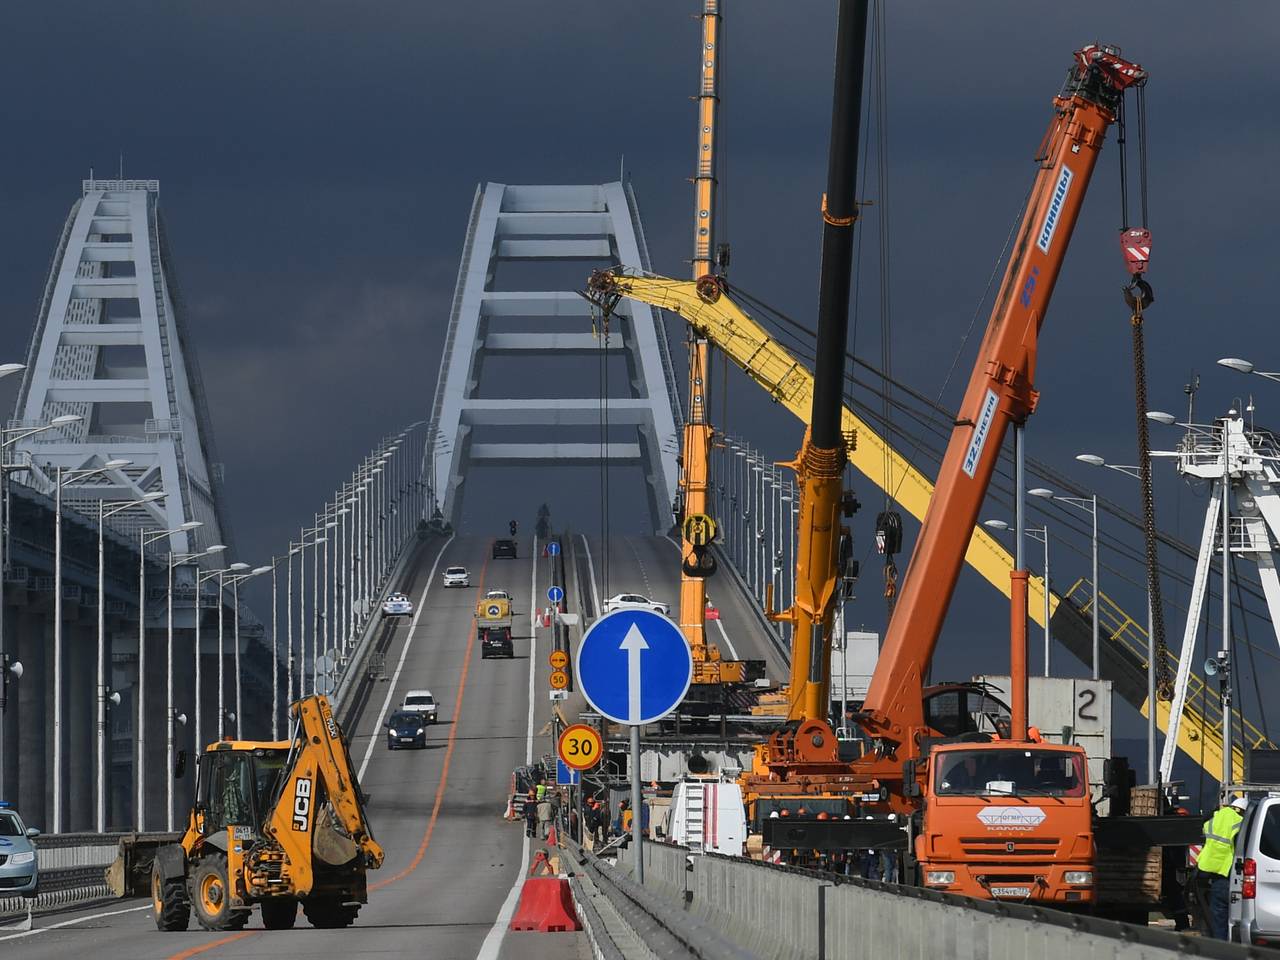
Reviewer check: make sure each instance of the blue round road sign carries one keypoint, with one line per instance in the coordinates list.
(553, 548)
(634, 666)
(555, 594)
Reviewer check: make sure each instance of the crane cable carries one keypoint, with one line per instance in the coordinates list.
(1138, 295)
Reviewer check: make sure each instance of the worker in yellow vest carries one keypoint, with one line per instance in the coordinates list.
(1216, 858)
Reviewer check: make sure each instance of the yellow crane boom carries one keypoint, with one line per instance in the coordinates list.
(712, 314)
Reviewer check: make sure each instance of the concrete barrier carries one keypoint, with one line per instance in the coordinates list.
(783, 914)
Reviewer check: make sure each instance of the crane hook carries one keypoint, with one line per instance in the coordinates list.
(1143, 297)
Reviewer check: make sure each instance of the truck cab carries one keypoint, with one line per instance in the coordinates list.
(1005, 820)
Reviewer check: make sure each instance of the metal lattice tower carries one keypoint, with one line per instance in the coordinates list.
(110, 346)
(546, 224)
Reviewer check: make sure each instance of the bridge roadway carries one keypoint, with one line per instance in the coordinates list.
(651, 566)
(446, 888)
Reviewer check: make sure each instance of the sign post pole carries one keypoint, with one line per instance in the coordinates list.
(637, 820)
(634, 667)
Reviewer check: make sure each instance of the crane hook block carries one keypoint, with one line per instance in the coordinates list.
(1135, 244)
(1138, 294)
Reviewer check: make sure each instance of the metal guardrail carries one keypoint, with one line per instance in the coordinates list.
(72, 869)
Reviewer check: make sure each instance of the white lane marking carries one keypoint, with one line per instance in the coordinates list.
(493, 939)
(644, 574)
(591, 569)
(719, 625)
(72, 922)
(395, 678)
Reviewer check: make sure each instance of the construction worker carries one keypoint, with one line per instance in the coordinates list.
(1216, 858)
(531, 814)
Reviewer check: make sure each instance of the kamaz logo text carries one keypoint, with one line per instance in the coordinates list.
(1055, 210)
(302, 805)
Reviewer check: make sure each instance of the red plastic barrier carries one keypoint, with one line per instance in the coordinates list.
(546, 905)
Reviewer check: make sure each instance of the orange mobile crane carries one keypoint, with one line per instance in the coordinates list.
(927, 743)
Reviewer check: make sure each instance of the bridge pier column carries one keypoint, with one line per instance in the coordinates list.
(33, 717)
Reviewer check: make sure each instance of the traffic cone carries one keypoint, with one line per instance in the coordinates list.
(553, 840)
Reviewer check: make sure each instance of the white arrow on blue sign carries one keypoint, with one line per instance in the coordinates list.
(566, 776)
(553, 548)
(555, 594)
(634, 666)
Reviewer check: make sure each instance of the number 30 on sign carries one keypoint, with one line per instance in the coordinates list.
(580, 746)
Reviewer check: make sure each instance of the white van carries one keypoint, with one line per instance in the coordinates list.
(707, 816)
(1254, 915)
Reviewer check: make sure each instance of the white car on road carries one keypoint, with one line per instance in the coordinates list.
(634, 601)
(420, 701)
(457, 577)
(397, 605)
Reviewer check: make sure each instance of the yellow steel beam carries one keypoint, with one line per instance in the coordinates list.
(790, 383)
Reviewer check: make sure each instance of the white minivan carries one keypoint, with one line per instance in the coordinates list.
(1254, 915)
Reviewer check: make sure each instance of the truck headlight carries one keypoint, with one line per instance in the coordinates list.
(18, 859)
(1078, 877)
(393, 733)
(421, 731)
(939, 878)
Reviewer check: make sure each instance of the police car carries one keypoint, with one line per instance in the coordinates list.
(19, 865)
(397, 605)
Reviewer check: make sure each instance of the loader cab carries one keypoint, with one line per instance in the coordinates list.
(238, 787)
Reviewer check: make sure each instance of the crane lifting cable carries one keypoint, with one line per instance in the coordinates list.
(1135, 245)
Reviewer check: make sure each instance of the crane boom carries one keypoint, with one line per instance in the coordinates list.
(1000, 390)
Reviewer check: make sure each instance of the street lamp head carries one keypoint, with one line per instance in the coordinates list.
(318, 540)
(995, 524)
(8, 368)
(237, 567)
(1159, 416)
(153, 497)
(189, 525)
(331, 524)
(1043, 493)
(65, 419)
(1092, 459)
(257, 570)
(16, 668)
(1235, 363)
(180, 718)
(114, 698)
(116, 464)
(216, 548)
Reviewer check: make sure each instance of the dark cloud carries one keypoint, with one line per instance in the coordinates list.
(318, 160)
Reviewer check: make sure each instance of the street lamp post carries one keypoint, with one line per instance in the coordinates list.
(176, 560)
(235, 605)
(63, 478)
(6, 441)
(201, 580)
(1094, 460)
(145, 538)
(1088, 505)
(100, 812)
(222, 656)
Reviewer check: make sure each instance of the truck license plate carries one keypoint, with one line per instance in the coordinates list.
(406, 739)
(1021, 892)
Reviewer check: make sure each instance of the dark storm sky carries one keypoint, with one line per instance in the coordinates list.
(318, 161)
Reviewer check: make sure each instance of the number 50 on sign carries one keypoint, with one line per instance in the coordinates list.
(580, 746)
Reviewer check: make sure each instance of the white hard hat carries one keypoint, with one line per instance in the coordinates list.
(1240, 803)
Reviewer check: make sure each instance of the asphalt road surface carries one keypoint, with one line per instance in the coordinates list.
(450, 880)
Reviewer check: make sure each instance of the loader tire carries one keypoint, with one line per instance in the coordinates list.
(211, 895)
(279, 913)
(326, 913)
(169, 903)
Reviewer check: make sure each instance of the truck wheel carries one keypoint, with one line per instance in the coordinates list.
(169, 903)
(279, 913)
(326, 913)
(211, 895)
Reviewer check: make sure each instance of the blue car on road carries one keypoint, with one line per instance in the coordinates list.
(19, 866)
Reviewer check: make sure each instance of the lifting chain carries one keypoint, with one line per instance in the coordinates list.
(1138, 295)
